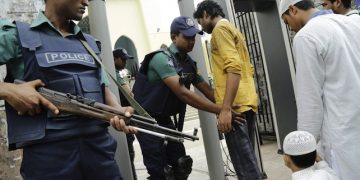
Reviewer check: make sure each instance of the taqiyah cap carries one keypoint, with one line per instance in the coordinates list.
(284, 5)
(122, 53)
(299, 143)
(184, 25)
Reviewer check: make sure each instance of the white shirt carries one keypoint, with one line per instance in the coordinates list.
(320, 171)
(353, 12)
(327, 55)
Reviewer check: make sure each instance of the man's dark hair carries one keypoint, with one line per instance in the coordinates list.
(303, 5)
(346, 3)
(304, 161)
(212, 8)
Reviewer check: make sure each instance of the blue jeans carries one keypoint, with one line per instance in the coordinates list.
(240, 143)
(85, 157)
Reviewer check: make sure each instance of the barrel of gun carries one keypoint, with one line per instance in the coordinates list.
(160, 129)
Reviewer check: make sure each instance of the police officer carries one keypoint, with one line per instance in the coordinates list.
(162, 88)
(48, 52)
(120, 57)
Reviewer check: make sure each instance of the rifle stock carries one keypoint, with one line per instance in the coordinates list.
(82, 106)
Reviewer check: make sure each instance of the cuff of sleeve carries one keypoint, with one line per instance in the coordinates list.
(233, 70)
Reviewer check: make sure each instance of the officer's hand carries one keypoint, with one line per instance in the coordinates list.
(224, 120)
(26, 100)
(238, 117)
(119, 123)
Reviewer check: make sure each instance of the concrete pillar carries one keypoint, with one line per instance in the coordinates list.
(207, 120)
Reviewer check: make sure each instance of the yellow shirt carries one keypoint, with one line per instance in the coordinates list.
(230, 54)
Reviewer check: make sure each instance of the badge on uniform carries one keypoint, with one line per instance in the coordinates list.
(170, 63)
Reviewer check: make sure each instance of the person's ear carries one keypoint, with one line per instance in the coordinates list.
(204, 14)
(293, 10)
(173, 36)
(337, 3)
(287, 160)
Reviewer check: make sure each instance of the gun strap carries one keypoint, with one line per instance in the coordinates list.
(141, 111)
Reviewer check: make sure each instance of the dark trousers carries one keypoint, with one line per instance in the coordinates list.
(240, 143)
(81, 158)
(130, 140)
(156, 154)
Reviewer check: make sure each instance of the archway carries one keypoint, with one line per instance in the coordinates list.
(126, 43)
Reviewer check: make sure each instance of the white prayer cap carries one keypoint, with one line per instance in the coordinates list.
(299, 143)
(284, 5)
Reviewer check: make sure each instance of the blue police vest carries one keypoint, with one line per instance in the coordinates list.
(64, 65)
(155, 97)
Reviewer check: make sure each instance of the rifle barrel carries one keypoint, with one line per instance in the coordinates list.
(160, 129)
(166, 137)
(104, 112)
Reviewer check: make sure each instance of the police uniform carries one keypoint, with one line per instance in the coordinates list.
(130, 138)
(60, 147)
(161, 103)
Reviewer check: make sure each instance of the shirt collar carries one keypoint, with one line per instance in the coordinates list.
(321, 12)
(352, 12)
(303, 174)
(42, 19)
(174, 50)
(223, 19)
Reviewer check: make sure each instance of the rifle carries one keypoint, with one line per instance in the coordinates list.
(78, 105)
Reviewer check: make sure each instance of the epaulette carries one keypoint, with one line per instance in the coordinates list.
(6, 24)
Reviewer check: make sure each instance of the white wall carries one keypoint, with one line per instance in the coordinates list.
(125, 18)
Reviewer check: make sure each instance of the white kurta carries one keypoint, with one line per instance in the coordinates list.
(327, 55)
(352, 13)
(320, 171)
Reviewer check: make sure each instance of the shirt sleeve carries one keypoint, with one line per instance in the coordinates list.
(104, 78)
(224, 39)
(161, 67)
(310, 77)
(10, 50)
(198, 78)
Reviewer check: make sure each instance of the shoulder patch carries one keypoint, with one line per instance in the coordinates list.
(6, 24)
(170, 63)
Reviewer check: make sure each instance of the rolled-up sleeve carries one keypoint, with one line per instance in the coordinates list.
(9, 46)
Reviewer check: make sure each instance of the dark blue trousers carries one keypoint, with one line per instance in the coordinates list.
(240, 143)
(89, 157)
(130, 141)
(156, 155)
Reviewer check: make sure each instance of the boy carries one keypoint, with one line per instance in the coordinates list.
(301, 157)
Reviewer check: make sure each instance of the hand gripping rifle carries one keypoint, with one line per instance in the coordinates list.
(78, 105)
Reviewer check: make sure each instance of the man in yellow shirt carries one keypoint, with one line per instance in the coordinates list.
(234, 85)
